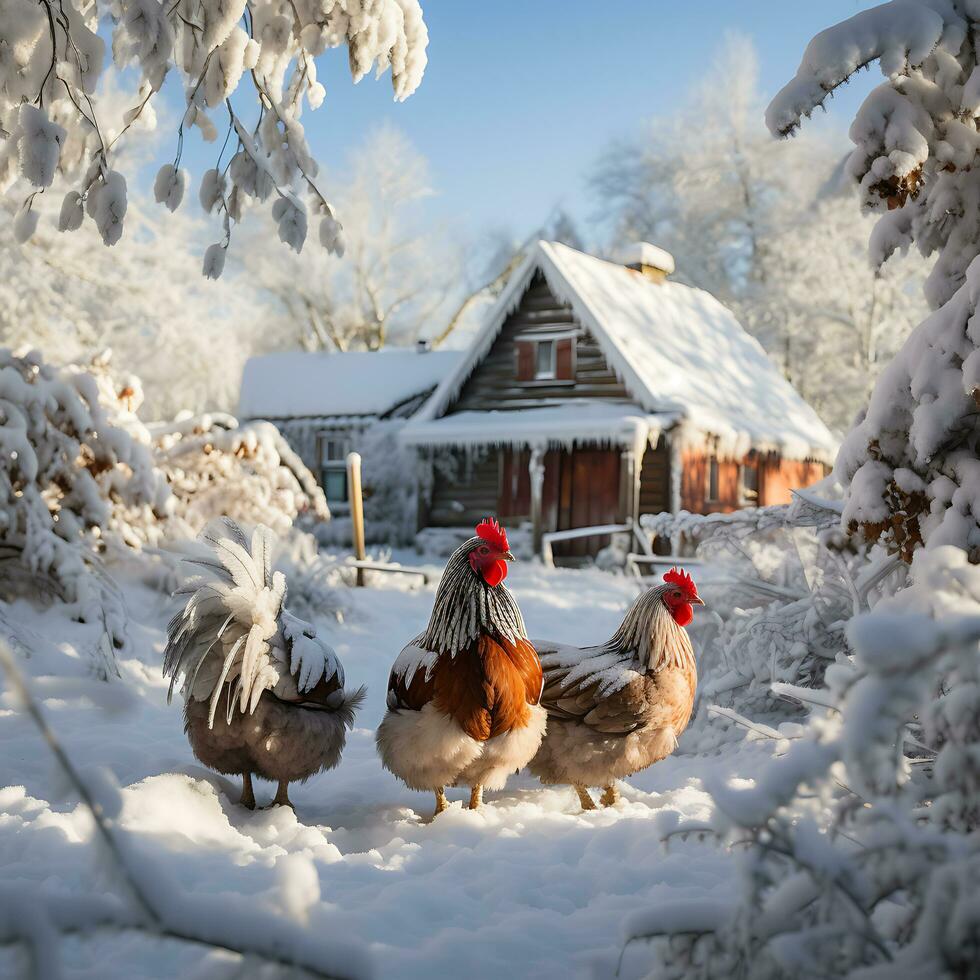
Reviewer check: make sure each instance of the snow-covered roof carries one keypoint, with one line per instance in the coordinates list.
(558, 426)
(299, 384)
(677, 350)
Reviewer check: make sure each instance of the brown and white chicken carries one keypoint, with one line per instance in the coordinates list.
(263, 694)
(616, 708)
(463, 696)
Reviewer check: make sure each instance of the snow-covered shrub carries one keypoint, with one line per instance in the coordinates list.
(216, 467)
(75, 476)
(858, 849)
(51, 123)
(910, 467)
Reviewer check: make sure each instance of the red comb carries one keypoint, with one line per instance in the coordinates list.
(680, 578)
(493, 533)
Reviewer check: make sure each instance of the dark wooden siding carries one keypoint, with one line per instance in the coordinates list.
(655, 479)
(465, 490)
(494, 384)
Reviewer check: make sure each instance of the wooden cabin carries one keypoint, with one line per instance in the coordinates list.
(598, 391)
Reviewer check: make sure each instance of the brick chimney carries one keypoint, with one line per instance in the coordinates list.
(653, 262)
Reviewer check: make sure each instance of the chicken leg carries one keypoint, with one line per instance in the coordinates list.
(610, 795)
(441, 802)
(282, 795)
(248, 796)
(585, 798)
(476, 797)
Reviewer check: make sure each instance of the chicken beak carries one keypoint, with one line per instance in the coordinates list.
(508, 556)
(697, 600)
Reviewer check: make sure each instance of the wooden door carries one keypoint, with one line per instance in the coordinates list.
(588, 494)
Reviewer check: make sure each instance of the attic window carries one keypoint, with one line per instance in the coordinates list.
(547, 360)
(544, 360)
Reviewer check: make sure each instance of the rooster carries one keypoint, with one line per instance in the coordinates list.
(263, 695)
(463, 696)
(619, 707)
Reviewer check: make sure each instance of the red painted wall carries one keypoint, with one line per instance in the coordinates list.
(777, 477)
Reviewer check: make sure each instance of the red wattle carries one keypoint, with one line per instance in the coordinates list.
(494, 572)
(683, 613)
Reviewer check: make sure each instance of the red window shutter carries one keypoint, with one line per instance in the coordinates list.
(525, 360)
(564, 359)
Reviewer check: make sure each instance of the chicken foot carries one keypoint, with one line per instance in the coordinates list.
(610, 795)
(476, 797)
(282, 795)
(585, 797)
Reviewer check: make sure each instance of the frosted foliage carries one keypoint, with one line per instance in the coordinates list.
(51, 120)
(84, 480)
(911, 464)
(68, 294)
(858, 860)
(248, 473)
(75, 475)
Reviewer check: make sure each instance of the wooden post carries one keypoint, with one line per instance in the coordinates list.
(356, 509)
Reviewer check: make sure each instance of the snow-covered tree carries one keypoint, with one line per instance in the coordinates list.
(232, 58)
(73, 476)
(391, 276)
(759, 224)
(912, 465)
(826, 316)
(67, 294)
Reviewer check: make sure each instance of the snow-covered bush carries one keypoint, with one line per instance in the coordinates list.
(86, 484)
(910, 467)
(858, 849)
(216, 467)
(74, 477)
(50, 121)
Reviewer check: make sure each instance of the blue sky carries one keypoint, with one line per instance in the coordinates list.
(521, 96)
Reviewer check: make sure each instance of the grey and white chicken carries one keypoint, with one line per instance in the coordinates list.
(619, 707)
(263, 694)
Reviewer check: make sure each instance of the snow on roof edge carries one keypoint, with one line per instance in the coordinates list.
(546, 427)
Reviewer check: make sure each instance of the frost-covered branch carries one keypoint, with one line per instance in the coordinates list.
(50, 125)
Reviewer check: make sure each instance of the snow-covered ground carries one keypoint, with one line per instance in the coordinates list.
(528, 887)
